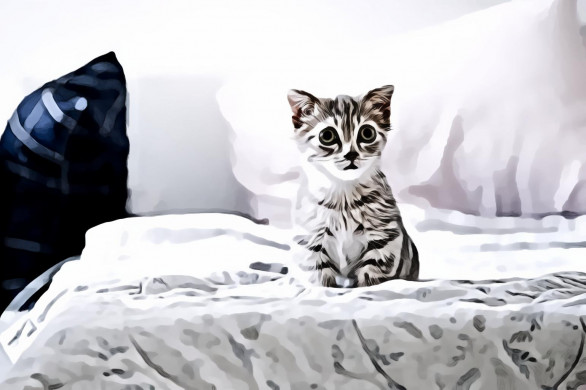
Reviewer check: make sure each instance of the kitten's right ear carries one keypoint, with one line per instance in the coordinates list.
(302, 104)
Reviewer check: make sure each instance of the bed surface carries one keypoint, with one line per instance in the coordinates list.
(213, 301)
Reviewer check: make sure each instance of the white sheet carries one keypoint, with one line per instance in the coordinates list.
(145, 284)
(213, 247)
(172, 302)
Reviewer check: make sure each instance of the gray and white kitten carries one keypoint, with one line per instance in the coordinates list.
(352, 232)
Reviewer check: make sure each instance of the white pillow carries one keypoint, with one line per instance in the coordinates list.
(489, 112)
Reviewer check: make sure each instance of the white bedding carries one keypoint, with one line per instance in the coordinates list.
(172, 302)
(212, 301)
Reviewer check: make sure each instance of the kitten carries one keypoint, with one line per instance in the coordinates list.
(353, 232)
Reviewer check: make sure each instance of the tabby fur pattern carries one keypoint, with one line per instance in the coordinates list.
(352, 232)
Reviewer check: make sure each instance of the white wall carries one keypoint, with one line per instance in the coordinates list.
(176, 55)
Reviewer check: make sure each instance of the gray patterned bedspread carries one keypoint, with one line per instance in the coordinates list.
(248, 323)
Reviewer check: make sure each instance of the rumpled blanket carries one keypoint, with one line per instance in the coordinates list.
(226, 311)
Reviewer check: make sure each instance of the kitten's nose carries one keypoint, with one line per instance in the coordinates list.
(351, 155)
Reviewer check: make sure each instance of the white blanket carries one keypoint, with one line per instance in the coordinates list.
(212, 301)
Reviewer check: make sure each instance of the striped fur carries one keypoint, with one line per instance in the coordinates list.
(353, 234)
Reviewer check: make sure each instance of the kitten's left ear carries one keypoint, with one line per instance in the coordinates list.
(378, 103)
(380, 95)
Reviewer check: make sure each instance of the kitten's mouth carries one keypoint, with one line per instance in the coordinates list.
(351, 166)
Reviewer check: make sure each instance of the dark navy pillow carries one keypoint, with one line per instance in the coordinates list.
(63, 164)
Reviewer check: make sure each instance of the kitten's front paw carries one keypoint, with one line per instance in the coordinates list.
(328, 278)
(370, 276)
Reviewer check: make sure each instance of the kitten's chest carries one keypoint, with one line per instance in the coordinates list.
(347, 239)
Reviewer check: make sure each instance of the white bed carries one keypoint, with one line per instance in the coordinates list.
(213, 301)
(486, 160)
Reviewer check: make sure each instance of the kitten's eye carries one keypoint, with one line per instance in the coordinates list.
(307, 110)
(367, 134)
(328, 136)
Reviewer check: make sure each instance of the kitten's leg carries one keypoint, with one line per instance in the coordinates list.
(381, 260)
(327, 277)
(375, 271)
(317, 260)
(327, 269)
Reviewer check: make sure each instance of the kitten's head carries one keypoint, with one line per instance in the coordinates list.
(342, 137)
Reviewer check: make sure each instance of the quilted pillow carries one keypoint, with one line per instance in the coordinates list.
(63, 165)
